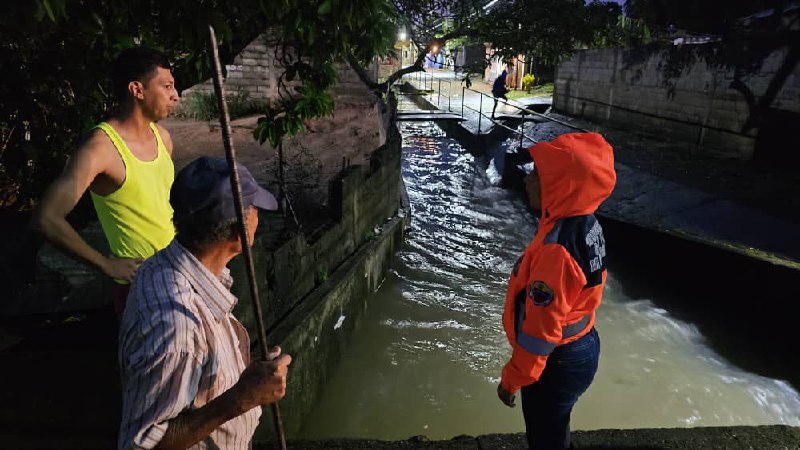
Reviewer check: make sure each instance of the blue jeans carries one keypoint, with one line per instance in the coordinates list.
(547, 404)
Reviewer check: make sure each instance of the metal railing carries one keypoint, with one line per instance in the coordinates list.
(522, 110)
(481, 115)
(426, 82)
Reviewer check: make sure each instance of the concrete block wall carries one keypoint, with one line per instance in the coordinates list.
(350, 87)
(362, 199)
(318, 331)
(388, 66)
(256, 71)
(612, 87)
(315, 288)
(252, 71)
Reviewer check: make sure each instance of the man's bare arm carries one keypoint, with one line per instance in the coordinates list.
(61, 197)
(261, 383)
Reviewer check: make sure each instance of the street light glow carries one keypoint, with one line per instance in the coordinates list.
(402, 36)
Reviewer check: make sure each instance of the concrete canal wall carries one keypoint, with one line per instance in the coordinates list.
(627, 88)
(315, 287)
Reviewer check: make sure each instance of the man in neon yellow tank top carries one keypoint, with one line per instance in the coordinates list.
(126, 165)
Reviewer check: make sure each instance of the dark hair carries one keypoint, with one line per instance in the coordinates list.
(135, 64)
(194, 233)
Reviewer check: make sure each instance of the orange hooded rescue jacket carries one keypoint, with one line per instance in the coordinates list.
(557, 283)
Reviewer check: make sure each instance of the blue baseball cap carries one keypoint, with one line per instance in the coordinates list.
(203, 190)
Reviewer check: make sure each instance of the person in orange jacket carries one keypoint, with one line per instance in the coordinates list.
(557, 285)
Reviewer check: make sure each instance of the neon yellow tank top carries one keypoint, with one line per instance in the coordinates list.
(137, 217)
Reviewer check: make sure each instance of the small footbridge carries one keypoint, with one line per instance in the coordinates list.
(426, 115)
(472, 106)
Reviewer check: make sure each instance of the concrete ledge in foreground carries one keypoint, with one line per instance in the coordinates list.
(746, 437)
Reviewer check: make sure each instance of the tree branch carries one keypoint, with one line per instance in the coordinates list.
(362, 74)
(422, 53)
(416, 67)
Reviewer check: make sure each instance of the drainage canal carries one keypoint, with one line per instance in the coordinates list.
(426, 357)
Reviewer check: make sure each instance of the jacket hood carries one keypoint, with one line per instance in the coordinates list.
(576, 173)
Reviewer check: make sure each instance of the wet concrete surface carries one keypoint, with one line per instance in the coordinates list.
(654, 202)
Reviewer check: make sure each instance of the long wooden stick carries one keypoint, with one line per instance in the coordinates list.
(230, 154)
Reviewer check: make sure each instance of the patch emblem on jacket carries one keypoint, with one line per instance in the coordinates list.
(541, 293)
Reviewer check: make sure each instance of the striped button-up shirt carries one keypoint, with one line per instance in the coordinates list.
(180, 347)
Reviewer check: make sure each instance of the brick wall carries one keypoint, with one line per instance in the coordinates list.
(701, 109)
(256, 71)
(388, 66)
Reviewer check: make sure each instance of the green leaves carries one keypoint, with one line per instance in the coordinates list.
(55, 10)
(55, 56)
(324, 8)
(49, 9)
(312, 40)
(287, 117)
(41, 40)
(547, 30)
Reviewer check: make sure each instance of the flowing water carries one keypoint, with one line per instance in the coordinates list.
(426, 357)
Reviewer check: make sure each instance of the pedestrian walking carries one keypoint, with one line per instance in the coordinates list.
(499, 89)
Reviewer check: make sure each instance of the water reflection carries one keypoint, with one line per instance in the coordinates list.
(427, 354)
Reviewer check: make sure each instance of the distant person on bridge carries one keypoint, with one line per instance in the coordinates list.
(126, 164)
(556, 286)
(499, 89)
(187, 379)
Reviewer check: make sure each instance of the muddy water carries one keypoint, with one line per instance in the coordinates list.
(426, 357)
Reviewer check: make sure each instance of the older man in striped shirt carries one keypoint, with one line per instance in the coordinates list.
(186, 376)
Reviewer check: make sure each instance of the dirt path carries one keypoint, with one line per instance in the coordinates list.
(312, 158)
